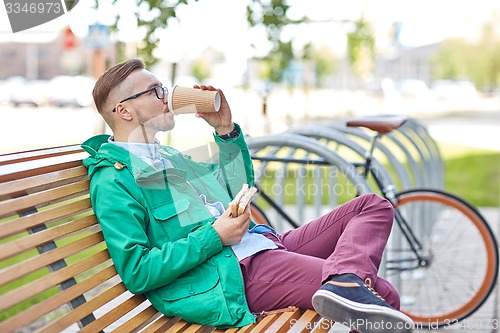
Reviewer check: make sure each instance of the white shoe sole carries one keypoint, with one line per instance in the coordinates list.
(365, 318)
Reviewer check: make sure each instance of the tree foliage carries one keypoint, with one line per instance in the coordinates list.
(272, 15)
(361, 49)
(457, 59)
(160, 12)
(325, 63)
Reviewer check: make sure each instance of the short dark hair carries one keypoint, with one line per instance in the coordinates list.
(112, 78)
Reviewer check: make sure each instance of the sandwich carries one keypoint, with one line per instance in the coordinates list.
(242, 200)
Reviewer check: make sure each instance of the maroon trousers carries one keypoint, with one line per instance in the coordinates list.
(349, 239)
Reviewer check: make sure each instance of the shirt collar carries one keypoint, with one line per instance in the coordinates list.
(141, 150)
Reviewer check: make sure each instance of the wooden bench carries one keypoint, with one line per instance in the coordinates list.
(56, 274)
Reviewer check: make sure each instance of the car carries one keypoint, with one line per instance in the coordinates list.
(31, 92)
(4, 93)
(12, 86)
(68, 90)
(450, 90)
(413, 89)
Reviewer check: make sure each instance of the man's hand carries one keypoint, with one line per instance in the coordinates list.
(231, 230)
(221, 121)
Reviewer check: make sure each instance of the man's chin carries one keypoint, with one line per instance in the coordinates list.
(168, 127)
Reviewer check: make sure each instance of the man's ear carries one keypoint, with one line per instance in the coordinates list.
(123, 112)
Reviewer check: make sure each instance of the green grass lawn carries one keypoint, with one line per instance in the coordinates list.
(475, 176)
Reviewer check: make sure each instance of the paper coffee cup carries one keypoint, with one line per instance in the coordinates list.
(190, 100)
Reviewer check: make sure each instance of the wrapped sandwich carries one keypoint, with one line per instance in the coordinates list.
(242, 200)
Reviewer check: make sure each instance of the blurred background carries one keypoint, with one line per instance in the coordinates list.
(278, 61)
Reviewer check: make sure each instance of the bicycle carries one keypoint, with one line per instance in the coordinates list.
(442, 255)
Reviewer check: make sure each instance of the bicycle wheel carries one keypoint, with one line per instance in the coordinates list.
(458, 264)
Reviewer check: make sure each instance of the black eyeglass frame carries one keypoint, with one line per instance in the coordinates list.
(164, 90)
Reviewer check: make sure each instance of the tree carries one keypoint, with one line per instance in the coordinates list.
(361, 49)
(200, 69)
(273, 16)
(457, 59)
(161, 12)
(325, 63)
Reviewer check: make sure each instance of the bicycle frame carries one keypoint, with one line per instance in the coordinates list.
(388, 192)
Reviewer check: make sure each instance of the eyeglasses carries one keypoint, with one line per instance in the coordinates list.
(161, 93)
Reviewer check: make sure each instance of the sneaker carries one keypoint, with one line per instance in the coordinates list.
(348, 301)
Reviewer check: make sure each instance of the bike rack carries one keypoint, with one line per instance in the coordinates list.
(415, 171)
(418, 162)
(286, 148)
(418, 135)
(334, 136)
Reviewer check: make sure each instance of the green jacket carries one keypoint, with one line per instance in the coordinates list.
(159, 232)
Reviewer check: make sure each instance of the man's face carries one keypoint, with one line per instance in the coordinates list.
(147, 108)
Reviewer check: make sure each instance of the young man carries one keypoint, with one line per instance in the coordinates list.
(172, 237)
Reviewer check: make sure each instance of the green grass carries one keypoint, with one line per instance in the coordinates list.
(475, 176)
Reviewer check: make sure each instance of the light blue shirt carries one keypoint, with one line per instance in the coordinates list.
(252, 242)
(149, 153)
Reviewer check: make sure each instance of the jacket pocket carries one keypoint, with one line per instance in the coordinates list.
(196, 296)
(175, 213)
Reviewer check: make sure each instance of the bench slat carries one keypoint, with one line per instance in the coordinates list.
(34, 200)
(282, 324)
(57, 300)
(161, 325)
(305, 323)
(264, 323)
(139, 321)
(31, 241)
(196, 328)
(114, 314)
(46, 216)
(47, 180)
(246, 329)
(26, 267)
(36, 154)
(229, 330)
(323, 326)
(178, 327)
(85, 309)
(53, 279)
(28, 169)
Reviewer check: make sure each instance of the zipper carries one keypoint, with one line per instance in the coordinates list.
(190, 168)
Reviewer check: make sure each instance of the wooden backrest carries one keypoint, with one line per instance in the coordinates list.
(53, 259)
(55, 271)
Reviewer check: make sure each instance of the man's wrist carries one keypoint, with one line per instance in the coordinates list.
(223, 130)
(234, 133)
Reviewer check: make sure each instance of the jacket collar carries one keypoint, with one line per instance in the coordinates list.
(102, 153)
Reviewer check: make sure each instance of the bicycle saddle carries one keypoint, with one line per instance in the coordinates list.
(382, 124)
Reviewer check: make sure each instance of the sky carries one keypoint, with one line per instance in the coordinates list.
(222, 24)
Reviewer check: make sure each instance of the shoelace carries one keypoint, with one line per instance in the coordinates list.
(368, 284)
